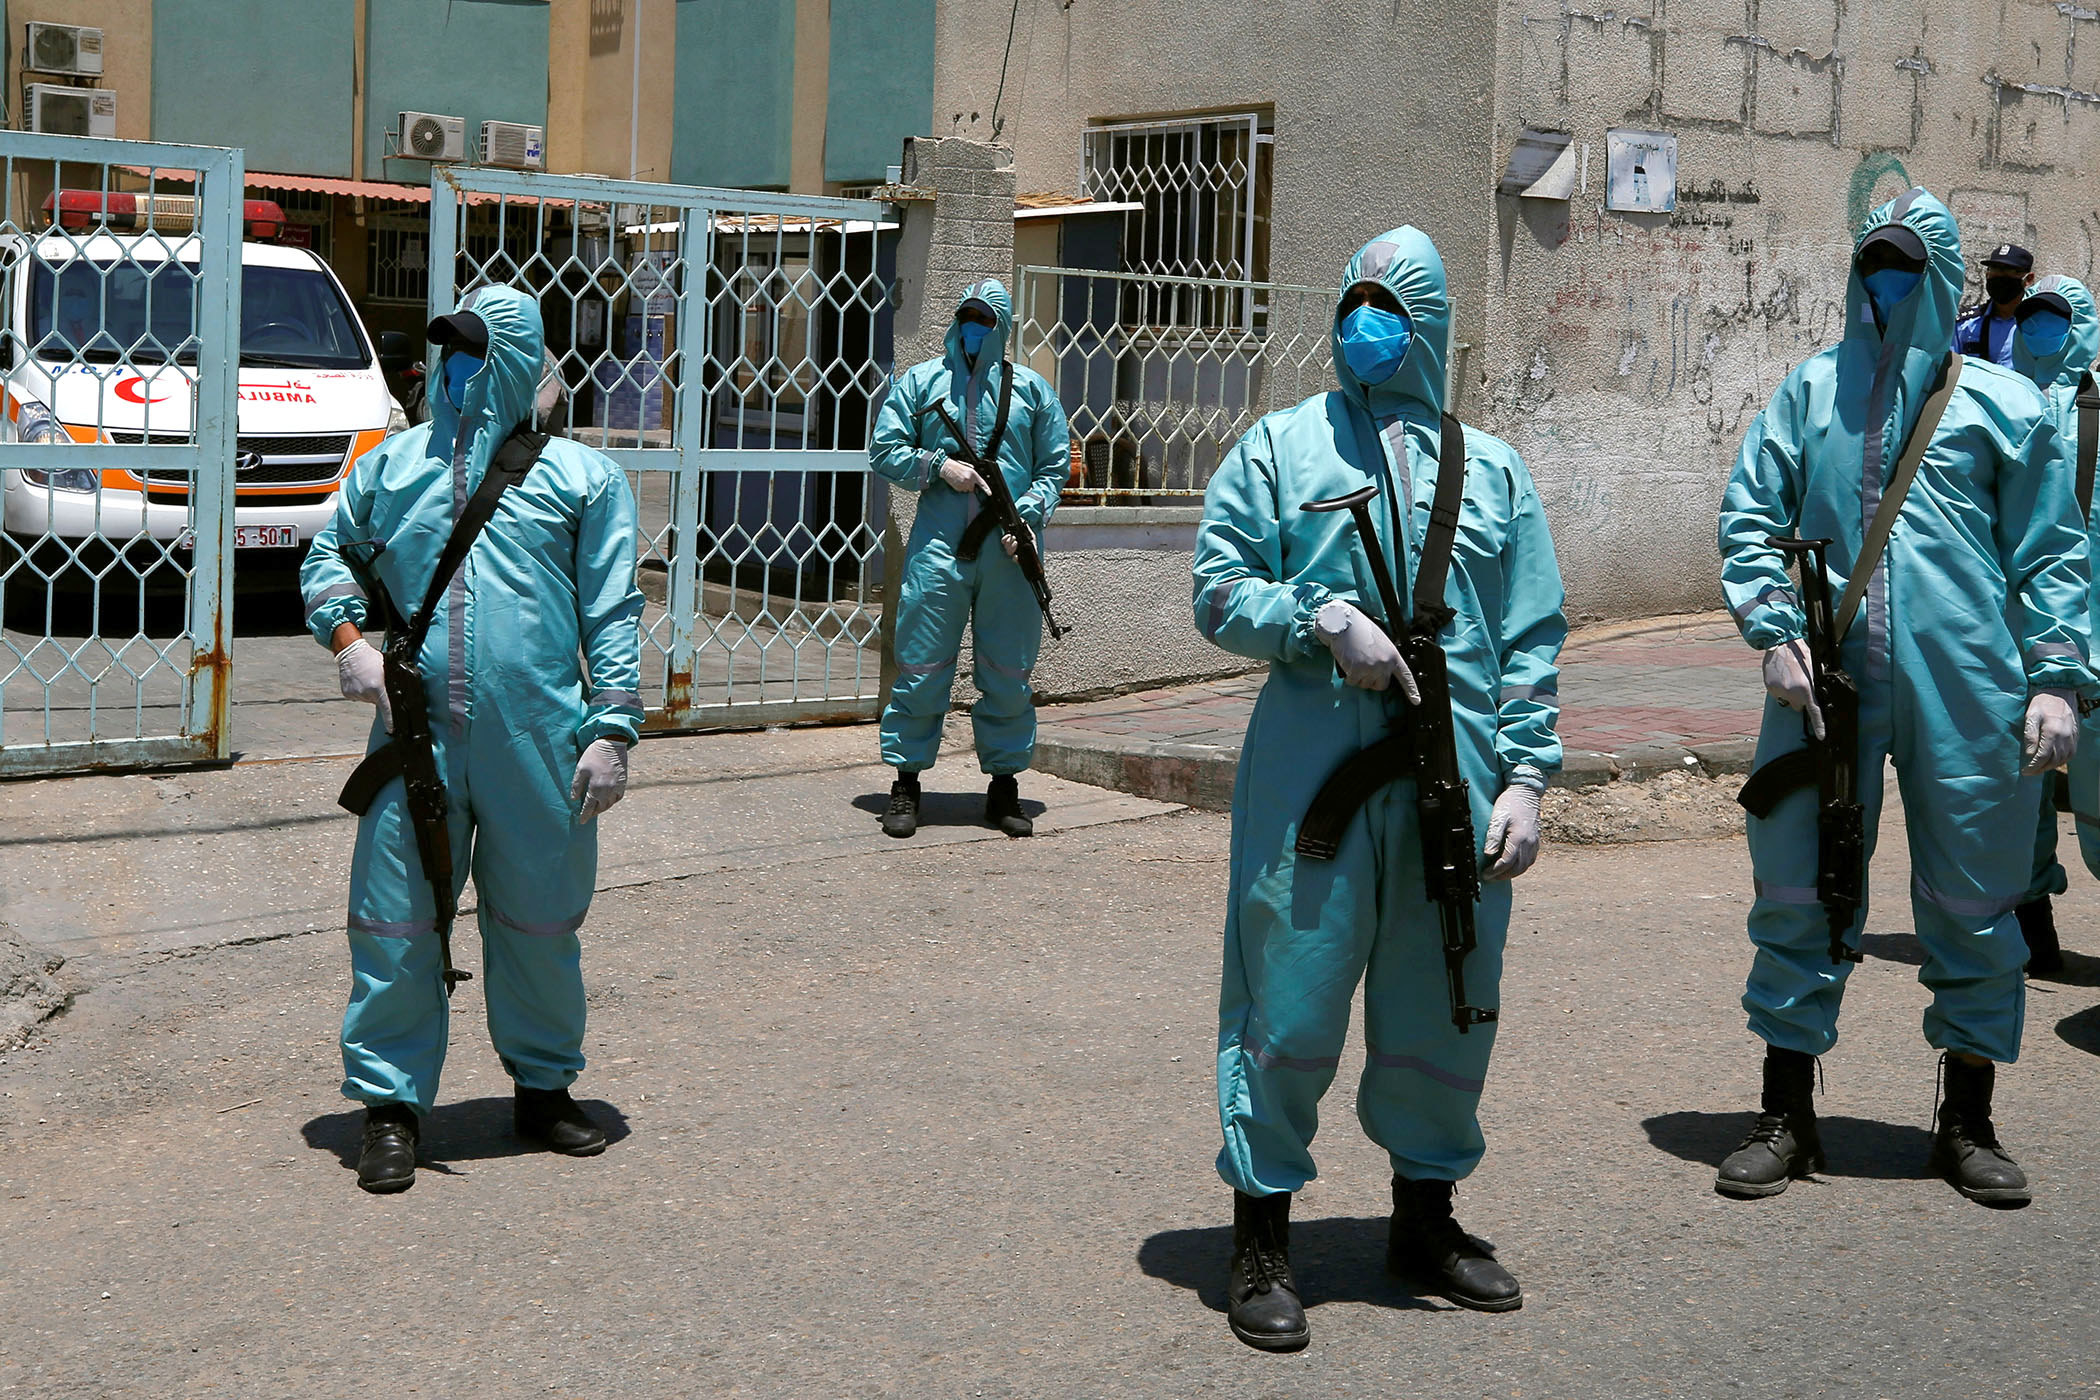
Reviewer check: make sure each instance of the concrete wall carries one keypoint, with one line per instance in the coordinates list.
(1383, 113)
(127, 56)
(485, 60)
(231, 72)
(882, 89)
(591, 112)
(1627, 353)
(734, 109)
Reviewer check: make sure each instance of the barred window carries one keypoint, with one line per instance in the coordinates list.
(1203, 184)
(397, 259)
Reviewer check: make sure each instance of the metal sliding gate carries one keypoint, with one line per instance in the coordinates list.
(119, 315)
(729, 349)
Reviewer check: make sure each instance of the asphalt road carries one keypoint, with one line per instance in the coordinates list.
(935, 1119)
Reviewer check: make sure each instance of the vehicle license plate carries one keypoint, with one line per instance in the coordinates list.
(265, 537)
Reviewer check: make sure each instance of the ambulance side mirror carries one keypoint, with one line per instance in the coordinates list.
(395, 352)
(7, 351)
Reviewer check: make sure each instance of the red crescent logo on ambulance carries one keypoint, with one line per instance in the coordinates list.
(133, 390)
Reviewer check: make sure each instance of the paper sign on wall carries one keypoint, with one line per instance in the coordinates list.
(1640, 172)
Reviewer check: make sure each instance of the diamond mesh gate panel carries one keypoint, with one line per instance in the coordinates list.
(730, 349)
(1155, 404)
(120, 269)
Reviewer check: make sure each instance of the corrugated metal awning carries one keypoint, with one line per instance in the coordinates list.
(321, 184)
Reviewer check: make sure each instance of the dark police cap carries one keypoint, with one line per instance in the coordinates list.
(461, 328)
(2010, 255)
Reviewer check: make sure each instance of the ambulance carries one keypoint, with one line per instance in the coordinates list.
(97, 343)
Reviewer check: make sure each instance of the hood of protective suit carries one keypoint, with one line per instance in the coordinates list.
(1406, 264)
(2080, 347)
(503, 392)
(992, 292)
(1907, 354)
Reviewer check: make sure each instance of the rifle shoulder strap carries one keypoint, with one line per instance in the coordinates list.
(519, 452)
(2088, 440)
(1892, 494)
(1430, 611)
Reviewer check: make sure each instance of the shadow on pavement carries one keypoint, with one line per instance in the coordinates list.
(1855, 1147)
(2080, 970)
(2081, 1031)
(1337, 1260)
(945, 808)
(1893, 947)
(475, 1130)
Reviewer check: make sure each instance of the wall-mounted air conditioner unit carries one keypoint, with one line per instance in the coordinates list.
(513, 145)
(63, 48)
(429, 136)
(69, 111)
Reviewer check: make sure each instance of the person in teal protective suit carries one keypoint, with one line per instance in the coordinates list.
(2055, 339)
(1295, 589)
(1968, 652)
(531, 672)
(914, 449)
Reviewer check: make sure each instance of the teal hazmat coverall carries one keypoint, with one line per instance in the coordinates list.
(1301, 933)
(941, 592)
(535, 653)
(1978, 600)
(2058, 376)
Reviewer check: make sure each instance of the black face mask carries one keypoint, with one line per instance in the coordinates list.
(2002, 289)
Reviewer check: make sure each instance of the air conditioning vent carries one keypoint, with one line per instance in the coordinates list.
(65, 111)
(63, 48)
(429, 136)
(513, 145)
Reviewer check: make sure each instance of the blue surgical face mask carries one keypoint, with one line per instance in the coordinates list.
(973, 334)
(2044, 333)
(1887, 287)
(1374, 342)
(460, 366)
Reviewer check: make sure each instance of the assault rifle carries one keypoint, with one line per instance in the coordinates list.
(1424, 743)
(1830, 764)
(997, 502)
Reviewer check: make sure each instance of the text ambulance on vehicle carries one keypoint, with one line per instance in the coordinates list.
(97, 343)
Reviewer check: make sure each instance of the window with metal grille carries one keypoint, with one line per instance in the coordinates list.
(1202, 184)
(397, 259)
(313, 213)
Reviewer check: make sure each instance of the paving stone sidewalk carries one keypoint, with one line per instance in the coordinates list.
(1637, 699)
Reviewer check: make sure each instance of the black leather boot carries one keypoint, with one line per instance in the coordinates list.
(902, 819)
(387, 1162)
(1262, 1298)
(1785, 1143)
(1965, 1146)
(1002, 807)
(555, 1121)
(2038, 926)
(1426, 1247)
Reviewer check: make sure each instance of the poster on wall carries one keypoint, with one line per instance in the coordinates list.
(1640, 172)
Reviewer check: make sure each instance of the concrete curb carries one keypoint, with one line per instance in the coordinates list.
(1202, 775)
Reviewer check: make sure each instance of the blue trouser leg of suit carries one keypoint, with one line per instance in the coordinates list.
(1303, 933)
(1969, 863)
(2048, 876)
(534, 871)
(939, 595)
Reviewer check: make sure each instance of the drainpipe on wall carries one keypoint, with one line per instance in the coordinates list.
(634, 96)
(357, 107)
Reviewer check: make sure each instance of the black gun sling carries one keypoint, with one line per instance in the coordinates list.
(1385, 760)
(2088, 441)
(517, 456)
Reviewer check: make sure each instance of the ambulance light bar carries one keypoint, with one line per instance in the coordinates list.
(139, 213)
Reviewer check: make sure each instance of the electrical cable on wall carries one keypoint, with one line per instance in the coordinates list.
(1012, 18)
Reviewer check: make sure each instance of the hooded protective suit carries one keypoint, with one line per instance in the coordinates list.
(535, 652)
(1979, 599)
(1300, 933)
(941, 592)
(2057, 376)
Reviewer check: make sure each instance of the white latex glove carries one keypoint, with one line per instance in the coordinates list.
(1513, 831)
(1013, 546)
(961, 476)
(2052, 732)
(1365, 653)
(362, 671)
(601, 778)
(1788, 678)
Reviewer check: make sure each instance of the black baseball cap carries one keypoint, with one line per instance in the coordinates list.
(461, 328)
(1892, 245)
(2010, 255)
